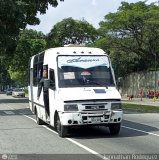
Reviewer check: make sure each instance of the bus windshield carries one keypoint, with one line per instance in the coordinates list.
(84, 71)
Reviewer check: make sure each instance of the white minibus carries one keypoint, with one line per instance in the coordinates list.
(81, 89)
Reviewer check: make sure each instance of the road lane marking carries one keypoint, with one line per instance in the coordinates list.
(87, 149)
(9, 112)
(41, 125)
(28, 117)
(84, 147)
(10, 107)
(121, 126)
(141, 131)
(73, 141)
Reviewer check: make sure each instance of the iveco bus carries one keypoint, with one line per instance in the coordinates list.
(81, 89)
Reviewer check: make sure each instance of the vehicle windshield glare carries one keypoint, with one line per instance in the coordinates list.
(84, 71)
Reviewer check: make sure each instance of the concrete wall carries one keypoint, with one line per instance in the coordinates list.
(141, 80)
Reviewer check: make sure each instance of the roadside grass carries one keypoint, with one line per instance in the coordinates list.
(26, 92)
(140, 108)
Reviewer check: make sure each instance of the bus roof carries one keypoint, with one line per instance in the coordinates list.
(51, 54)
(75, 51)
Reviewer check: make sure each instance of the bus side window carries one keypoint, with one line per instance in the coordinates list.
(35, 71)
(40, 71)
(35, 75)
(52, 79)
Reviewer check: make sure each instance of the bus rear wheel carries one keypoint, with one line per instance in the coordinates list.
(38, 120)
(62, 130)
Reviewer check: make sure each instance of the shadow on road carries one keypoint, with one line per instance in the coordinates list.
(103, 132)
(139, 126)
(15, 100)
(15, 112)
(128, 129)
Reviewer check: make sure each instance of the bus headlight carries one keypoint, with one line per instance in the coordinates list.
(115, 106)
(70, 107)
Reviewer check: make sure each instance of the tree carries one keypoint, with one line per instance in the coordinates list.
(14, 16)
(134, 31)
(71, 31)
(29, 43)
(122, 63)
(4, 75)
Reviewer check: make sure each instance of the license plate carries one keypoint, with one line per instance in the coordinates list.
(95, 119)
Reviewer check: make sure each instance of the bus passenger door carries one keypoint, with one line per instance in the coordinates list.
(52, 94)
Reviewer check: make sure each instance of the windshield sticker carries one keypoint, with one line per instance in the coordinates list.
(77, 60)
(69, 75)
(83, 61)
(85, 73)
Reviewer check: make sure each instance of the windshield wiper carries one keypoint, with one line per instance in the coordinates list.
(95, 82)
(87, 81)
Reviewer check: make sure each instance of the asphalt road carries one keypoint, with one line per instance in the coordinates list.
(22, 138)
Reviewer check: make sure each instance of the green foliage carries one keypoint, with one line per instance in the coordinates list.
(29, 43)
(140, 108)
(15, 15)
(71, 31)
(132, 36)
(18, 77)
(4, 75)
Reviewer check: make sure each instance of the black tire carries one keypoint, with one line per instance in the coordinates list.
(38, 120)
(114, 128)
(62, 130)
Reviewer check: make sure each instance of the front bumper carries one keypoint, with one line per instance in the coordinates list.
(90, 118)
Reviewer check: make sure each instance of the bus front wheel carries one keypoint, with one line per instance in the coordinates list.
(62, 130)
(114, 128)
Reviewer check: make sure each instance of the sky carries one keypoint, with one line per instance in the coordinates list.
(93, 11)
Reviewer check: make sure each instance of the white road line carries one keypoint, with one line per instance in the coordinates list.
(10, 107)
(73, 141)
(121, 126)
(87, 149)
(9, 112)
(84, 147)
(41, 125)
(29, 117)
(141, 131)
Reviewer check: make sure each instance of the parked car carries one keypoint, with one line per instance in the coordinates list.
(9, 91)
(18, 92)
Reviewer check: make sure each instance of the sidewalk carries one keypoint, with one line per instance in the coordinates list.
(145, 101)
